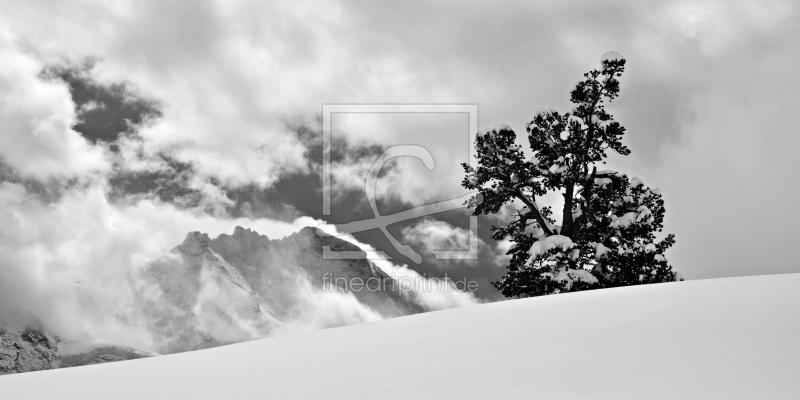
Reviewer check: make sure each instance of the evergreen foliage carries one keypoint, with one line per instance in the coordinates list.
(607, 235)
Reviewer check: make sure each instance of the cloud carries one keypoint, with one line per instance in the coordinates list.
(503, 247)
(70, 263)
(437, 235)
(105, 112)
(228, 124)
(431, 235)
(37, 119)
(406, 179)
(321, 309)
(433, 293)
(79, 265)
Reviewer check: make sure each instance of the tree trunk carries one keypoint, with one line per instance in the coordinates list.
(566, 219)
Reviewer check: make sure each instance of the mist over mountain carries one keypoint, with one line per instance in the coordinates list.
(266, 264)
(210, 292)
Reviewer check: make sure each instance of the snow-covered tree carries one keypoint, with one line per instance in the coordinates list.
(607, 234)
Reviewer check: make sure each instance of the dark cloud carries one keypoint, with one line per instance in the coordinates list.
(46, 191)
(296, 194)
(167, 185)
(105, 112)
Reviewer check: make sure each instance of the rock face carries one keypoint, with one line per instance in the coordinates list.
(196, 299)
(27, 349)
(102, 354)
(244, 286)
(27, 346)
(267, 264)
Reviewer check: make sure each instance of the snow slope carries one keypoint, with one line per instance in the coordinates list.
(733, 338)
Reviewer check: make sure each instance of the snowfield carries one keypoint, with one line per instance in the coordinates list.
(732, 338)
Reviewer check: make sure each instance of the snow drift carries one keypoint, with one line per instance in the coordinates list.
(724, 338)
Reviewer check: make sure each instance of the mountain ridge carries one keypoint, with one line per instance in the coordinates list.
(207, 292)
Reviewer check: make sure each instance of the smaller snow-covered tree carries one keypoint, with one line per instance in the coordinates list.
(607, 235)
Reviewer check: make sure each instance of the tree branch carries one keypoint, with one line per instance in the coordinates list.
(535, 211)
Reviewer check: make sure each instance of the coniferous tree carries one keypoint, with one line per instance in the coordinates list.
(607, 235)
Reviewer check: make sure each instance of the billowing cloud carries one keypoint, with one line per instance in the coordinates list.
(431, 235)
(37, 118)
(70, 263)
(79, 264)
(437, 235)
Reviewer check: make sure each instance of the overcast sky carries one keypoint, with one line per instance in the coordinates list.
(223, 102)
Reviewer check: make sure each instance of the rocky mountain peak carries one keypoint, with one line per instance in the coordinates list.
(240, 233)
(312, 232)
(27, 349)
(316, 238)
(195, 244)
